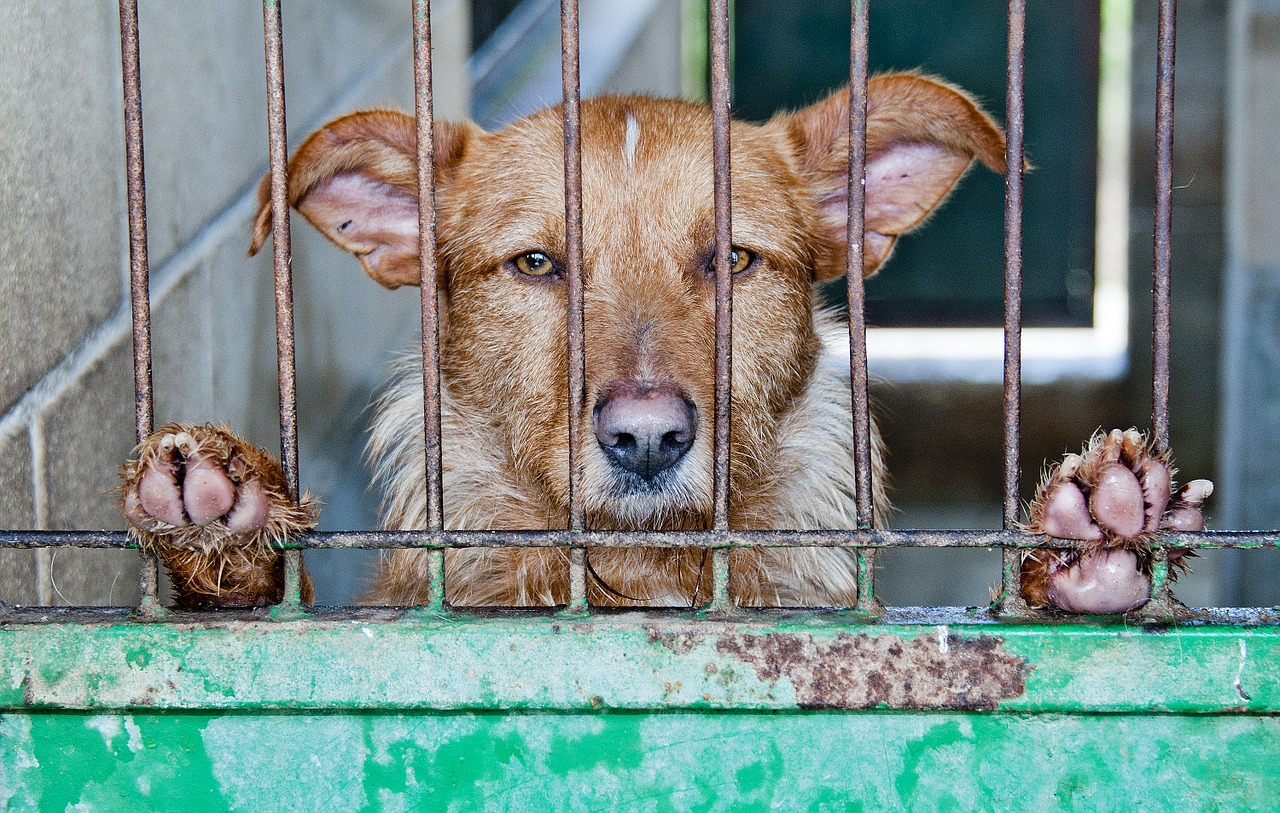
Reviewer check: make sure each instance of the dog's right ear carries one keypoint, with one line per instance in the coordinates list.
(356, 180)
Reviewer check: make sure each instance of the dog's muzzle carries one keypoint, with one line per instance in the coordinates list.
(645, 429)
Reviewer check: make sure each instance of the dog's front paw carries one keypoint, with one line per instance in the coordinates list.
(210, 504)
(1115, 497)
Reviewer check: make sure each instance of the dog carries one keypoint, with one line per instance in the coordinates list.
(210, 505)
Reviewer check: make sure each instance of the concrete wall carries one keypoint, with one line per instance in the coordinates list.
(66, 403)
(1249, 429)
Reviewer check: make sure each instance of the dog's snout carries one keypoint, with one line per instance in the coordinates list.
(645, 430)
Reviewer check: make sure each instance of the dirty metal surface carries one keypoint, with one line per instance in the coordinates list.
(925, 709)
(345, 660)
(648, 762)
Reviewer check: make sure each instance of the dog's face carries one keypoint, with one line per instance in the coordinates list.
(647, 269)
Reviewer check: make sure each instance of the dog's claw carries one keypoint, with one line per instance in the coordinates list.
(1116, 497)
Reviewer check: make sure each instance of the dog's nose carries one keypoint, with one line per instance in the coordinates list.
(645, 430)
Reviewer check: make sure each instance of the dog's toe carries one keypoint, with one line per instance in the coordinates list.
(210, 504)
(1115, 498)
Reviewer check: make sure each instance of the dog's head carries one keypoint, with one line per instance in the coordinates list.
(647, 247)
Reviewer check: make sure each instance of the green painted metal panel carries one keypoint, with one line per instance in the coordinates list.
(648, 762)
(383, 710)
(638, 662)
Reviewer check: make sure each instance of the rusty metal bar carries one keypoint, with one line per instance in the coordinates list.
(721, 598)
(722, 188)
(139, 273)
(370, 540)
(1011, 600)
(137, 193)
(572, 111)
(277, 134)
(1162, 602)
(854, 270)
(425, 118)
(1013, 260)
(424, 110)
(855, 258)
(1163, 226)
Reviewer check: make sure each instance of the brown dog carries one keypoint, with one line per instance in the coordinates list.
(198, 496)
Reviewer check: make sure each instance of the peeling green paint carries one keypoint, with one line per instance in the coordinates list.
(378, 711)
(648, 762)
(637, 662)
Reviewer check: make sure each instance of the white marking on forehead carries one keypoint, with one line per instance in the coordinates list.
(631, 138)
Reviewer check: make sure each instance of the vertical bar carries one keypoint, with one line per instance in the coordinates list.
(273, 43)
(854, 270)
(424, 109)
(1162, 604)
(855, 263)
(1163, 227)
(1011, 571)
(139, 274)
(572, 110)
(719, 25)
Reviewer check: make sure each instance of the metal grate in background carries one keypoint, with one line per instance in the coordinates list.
(720, 539)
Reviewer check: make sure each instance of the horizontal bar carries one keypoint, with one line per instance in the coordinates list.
(397, 660)
(380, 540)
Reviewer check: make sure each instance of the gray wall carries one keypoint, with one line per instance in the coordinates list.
(1249, 428)
(65, 355)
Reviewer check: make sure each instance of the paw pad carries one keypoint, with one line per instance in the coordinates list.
(204, 485)
(1115, 497)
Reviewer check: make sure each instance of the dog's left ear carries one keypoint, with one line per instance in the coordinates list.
(922, 135)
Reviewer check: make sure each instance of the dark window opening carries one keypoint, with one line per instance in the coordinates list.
(950, 274)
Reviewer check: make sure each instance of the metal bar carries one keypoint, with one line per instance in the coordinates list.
(572, 111)
(424, 110)
(1011, 604)
(1162, 606)
(139, 273)
(1011, 601)
(137, 194)
(1013, 261)
(854, 271)
(425, 117)
(1162, 603)
(719, 26)
(855, 258)
(371, 540)
(273, 44)
(577, 580)
(721, 600)
(1163, 226)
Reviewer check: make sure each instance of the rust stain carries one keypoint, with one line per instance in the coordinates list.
(681, 643)
(866, 671)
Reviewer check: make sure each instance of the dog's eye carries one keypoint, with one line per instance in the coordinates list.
(534, 264)
(739, 260)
